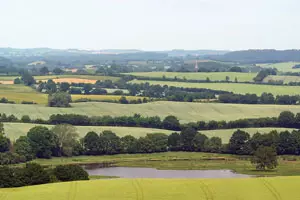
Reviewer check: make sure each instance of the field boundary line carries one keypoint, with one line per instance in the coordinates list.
(272, 189)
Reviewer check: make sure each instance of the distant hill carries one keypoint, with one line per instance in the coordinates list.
(259, 56)
(5, 63)
(183, 53)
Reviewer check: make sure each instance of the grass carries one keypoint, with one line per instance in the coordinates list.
(19, 93)
(288, 165)
(104, 97)
(238, 88)
(283, 188)
(185, 111)
(15, 130)
(90, 77)
(213, 76)
(284, 67)
(285, 79)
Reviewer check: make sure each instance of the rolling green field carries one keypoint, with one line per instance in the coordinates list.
(238, 88)
(284, 67)
(278, 188)
(213, 76)
(90, 77)
(104, 97)
(285, 79)
(19, 93)
(186, 112)
(15, 130)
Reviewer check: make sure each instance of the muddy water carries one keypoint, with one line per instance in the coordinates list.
(134, 172)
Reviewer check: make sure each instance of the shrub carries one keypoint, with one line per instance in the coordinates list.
(70, 173)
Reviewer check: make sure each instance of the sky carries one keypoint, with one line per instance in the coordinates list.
(150, 24)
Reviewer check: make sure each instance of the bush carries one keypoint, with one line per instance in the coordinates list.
(59, 99)
(70, 173)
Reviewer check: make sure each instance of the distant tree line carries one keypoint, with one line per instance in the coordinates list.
(265, 98)
(285, 119)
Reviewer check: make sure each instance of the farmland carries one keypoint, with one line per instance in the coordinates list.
(186, 112)
(284, 67)
(103, 97)
(213, 76)
(19, 93)
(88, 77)
(285, 79)
(238, 88)
(15, 130)
(284, 188)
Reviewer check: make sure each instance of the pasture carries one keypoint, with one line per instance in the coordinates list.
(19, 93)
(71, 77)
(213, 76)
(186, 112)
(284, 66)
(238, 88)
(104, 97)
(285, 79)
(15, 130)
(275, 188)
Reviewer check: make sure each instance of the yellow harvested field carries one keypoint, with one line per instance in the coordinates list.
(7, 82)
(73, 80)
(275, 188)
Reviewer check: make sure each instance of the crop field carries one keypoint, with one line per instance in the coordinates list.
(213, 76)
(283, 188)
(186, 112)
(284, 67)
(19, 93)
(285, 79)
(15, 130)
(103, 97)
(71, 77)
(238, 88)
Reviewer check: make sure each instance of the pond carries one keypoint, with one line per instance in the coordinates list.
(135, 172)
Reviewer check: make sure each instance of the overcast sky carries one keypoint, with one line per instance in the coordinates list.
(150, 24)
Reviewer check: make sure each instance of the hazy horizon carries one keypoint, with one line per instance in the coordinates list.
(151, 25)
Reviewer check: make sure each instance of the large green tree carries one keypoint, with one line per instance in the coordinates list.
(22, 147)
(67, 136)
(171, 123)
(265, 157)
(42, 141)
(59, 99)
(238, 143)
(187, 136)
(91, 143)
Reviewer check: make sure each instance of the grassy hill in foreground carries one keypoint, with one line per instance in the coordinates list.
(283, 188)
(15, 130)
(238, 88)
(185, 111)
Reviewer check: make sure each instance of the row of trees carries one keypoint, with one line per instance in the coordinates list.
(265, 98)
(285, 119)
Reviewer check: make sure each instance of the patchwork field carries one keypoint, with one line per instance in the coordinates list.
(238, 88)
(185, 111)
(285, 79)
(104, 97)
(283, 188)
(15, 130)
(71, 77)
(284, 67)
(19, 93)
(213, 76)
